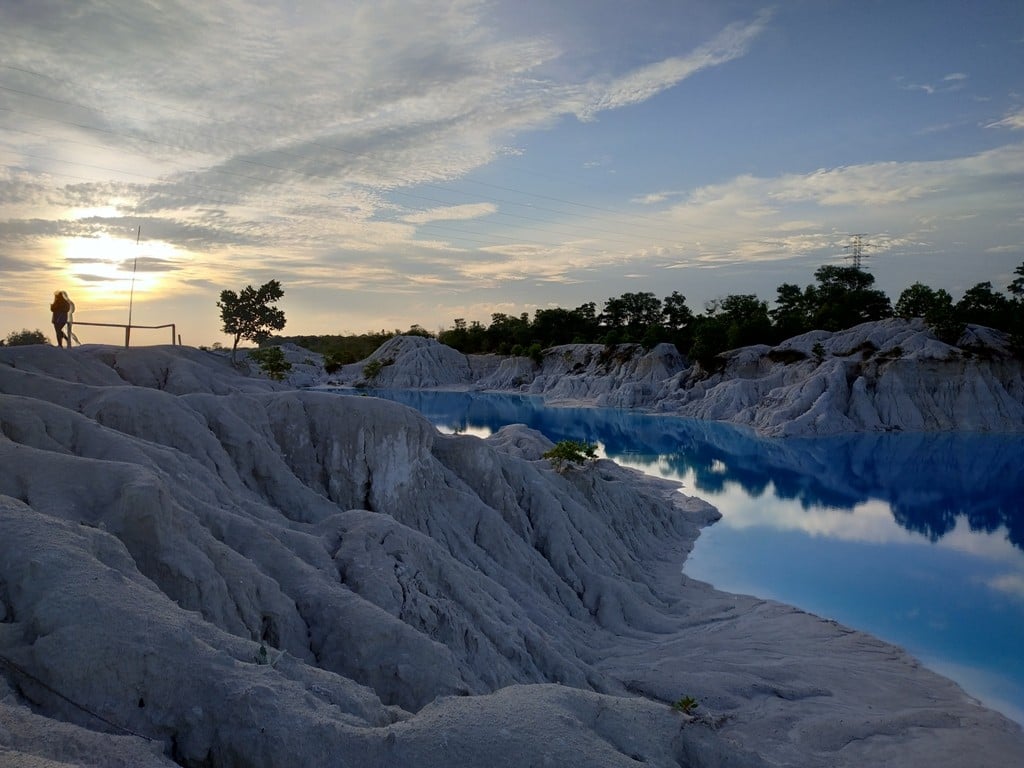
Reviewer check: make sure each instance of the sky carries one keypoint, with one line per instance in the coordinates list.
(402, 162)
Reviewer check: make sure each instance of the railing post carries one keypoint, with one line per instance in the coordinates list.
(172, 334)
(127, 335)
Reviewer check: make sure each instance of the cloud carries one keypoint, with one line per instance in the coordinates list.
(277, 136)
(752, 218)
(1009, 583)
(951, 82)
(653, 198)
(1014, 121)
(640, 85)
(1017, 248)
(452, 213)
(147, 264)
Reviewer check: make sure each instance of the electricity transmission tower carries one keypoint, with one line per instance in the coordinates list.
(856, 248)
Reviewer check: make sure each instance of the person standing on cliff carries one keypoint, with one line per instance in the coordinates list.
(62, 307)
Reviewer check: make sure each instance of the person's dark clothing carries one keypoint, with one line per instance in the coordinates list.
(60, 309)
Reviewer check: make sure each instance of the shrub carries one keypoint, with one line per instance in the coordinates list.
(373, 368)
(331, 362)
(536, 353)
(686, 705)
(567, 452)
(25, 337)
(271, 361)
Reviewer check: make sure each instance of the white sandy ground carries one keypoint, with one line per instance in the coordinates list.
(876, 377)
(206, 569)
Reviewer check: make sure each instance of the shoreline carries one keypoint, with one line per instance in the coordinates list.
(983, 693)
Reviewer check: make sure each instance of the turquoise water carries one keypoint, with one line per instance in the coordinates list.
(918, 539)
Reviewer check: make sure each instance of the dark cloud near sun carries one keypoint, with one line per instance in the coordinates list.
(148, 264)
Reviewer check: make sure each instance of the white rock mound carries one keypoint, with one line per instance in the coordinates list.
(882, 376)
(237, 577)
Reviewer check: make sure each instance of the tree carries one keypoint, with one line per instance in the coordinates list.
(25, 337)
(936, 307)
(248, 315)
(915, 301)
(1017, 286)
(790, 315)
(746, 320)
(844, 298)
(568, 452)
(633, 313)
(674, 312)
(981, 305)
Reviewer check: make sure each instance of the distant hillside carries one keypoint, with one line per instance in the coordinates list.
(879, 376)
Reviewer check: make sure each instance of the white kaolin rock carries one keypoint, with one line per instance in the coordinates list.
(240, 575)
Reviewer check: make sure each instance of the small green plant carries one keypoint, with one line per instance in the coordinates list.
(818, 350)
(373, 368)
(567, 452)
(536, 353)
(332, 362)
(686, 705)
(271, 361)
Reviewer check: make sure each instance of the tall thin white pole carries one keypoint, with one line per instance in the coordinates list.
(131, 294)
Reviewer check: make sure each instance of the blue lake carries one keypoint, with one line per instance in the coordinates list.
(917, 539)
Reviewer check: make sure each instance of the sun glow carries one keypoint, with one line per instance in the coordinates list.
(106, 269)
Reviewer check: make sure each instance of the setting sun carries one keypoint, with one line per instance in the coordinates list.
(106, 268)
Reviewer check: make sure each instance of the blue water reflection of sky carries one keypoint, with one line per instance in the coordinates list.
(918, 539)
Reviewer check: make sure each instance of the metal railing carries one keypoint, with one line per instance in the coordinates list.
(127, 329)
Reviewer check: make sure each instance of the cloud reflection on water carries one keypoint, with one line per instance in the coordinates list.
(929, 484)
(917, 538)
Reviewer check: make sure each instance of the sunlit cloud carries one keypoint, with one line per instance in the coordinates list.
(451, 213)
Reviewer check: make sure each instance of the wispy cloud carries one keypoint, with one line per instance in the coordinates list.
(732, 43)
(1009, 583)
(1014, 121)
(451, 213)
(951, 82)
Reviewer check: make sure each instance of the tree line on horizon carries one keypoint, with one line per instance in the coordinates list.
(840, 298)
